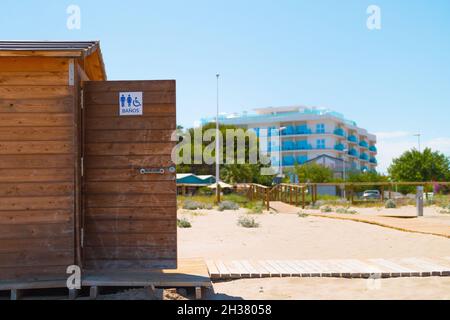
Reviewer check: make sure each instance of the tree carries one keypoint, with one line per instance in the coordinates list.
(229, 172)
(314, 173)
(419, 166)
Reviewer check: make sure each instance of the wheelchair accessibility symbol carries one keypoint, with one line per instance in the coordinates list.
(131, 103)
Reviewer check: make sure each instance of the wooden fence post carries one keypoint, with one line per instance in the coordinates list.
(303, 198)
(267, 200)
(290, 195)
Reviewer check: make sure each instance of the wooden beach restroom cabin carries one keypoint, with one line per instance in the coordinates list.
(86, 176)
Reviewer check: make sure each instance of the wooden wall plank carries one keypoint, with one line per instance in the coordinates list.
(35, 162)
(56, 105)
(34, 217)
(120, 149)
(130, 240)
(36, 134)
(130, 187)
(112, 98)
(36, 120)
(124, 123)
(34, 92)
(124, 162)
(130, 200)
(37, 231)
(156, 213)
(122, 226)
(36, 258)
(33, 64)
(19, 245)
(17, 189)
(131, 264)
(122, 86)
(36, 175)
(158, 109)
(124, 175)
(36, 203)
(147, 136)
(36, 147)
(130, 253)
(43, 78)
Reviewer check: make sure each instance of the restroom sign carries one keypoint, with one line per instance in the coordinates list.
(131, 103)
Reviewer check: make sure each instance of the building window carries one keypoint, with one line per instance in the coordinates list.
(320, 128)
(321, 144)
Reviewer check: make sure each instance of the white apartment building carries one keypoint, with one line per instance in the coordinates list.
(299, 135)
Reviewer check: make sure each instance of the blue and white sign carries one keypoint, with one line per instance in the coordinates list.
(131, 104)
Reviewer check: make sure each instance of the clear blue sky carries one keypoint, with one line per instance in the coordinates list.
(394, 81)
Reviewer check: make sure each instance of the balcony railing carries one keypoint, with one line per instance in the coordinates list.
(353, 139)
(339, 132)
(364, 156)
(363, 144)
(353, 153)
(303, 130)
(373, 149)
(339, 147)
(373, 160)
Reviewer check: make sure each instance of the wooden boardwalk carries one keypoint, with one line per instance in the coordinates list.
(338, 268)
(191, 273)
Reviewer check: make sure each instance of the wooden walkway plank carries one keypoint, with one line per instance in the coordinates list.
(397, 270)
(273, 272)
(242, 269)
(284, 264)
(251, 269)
(426, 266)
(223, 271)
(213, 270)
(284, 272)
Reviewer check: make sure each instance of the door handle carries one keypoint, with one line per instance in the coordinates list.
(152, 171)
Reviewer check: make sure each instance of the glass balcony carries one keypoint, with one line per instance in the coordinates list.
(289, 131)
(339, 132)
(373, 160)
(339, 147)
(363, 144)
(364, 157)
(302, 159)
(303, 129)
(288, 161)
(288, 145)
(373, 149)
(353, 153)
(303, 145)
(364, 169)
(353, 139)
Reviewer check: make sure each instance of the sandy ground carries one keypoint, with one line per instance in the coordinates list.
(216, 235)
(333, 289)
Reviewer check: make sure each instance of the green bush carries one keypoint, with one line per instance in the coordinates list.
(247, 222)
(183, 223)
(446, 210)
(303, 215)
(258, 208)
(228, 205)
(346, 211)
(326, 209)
(195, 205)
(390, 204)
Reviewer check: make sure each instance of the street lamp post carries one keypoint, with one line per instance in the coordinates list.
(344, 173)
(418, 138)
(217, 144)
(280, 130)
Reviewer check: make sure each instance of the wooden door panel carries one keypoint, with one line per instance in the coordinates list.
(129, 215)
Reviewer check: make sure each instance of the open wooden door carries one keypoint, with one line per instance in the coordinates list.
(129, 180)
